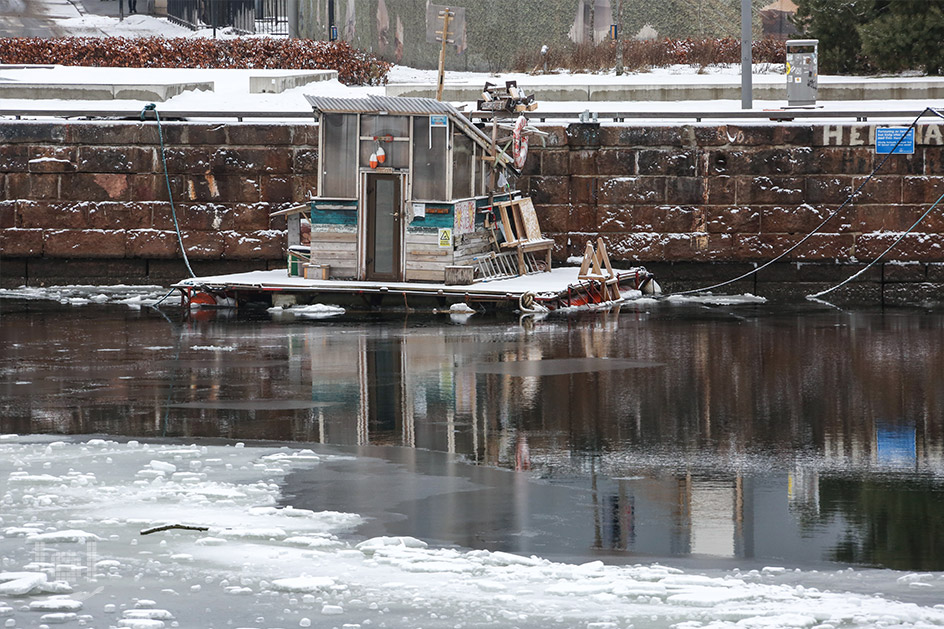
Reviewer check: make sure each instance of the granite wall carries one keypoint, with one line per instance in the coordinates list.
(86, 201)
(704, 203)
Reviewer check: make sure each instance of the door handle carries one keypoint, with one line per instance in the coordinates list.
(395, 214)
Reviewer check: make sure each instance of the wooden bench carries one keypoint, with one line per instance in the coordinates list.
(522, 231)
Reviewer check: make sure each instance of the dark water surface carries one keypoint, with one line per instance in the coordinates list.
(680, 431)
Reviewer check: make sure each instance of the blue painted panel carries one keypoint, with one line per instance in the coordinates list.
(333, 217)
(434, 220)
(328, 212)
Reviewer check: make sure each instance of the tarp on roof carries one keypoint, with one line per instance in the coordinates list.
(403, 106)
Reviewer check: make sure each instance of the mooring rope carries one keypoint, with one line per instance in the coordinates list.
(170, 196)
(826, 220)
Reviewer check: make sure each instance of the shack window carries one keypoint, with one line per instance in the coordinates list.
(483, 173)
(461, 166)
(429, 160)
(388, 128)
(339, 155)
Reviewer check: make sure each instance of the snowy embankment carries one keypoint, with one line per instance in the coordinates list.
(73, 552)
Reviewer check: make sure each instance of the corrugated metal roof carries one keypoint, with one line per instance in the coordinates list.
(399, 105)
(377, 104)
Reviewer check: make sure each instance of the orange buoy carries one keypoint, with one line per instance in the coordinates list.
(202, 299)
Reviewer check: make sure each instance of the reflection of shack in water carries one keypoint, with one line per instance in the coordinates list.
(673, 514)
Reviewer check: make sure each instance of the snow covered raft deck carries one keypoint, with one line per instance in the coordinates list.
(557, 289)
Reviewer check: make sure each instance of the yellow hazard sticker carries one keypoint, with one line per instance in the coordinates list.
(445, 237)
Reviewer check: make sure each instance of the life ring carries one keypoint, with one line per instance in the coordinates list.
(520, 143)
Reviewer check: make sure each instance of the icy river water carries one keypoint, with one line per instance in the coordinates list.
(726, 439)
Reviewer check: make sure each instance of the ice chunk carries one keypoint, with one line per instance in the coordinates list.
(23, 477)
(74, 536)
(315, 542)
(332, 610)
(302, 584)
(368, 547)
(250, 533)
(20, 583)
(779, 621)
(461, 308)
(58, 618)
(709, 597)
(148, 614)
(140, 623)
(56, 605)
(163, 466)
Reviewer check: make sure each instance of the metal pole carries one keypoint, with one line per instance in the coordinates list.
(619, 37)
(747, 41)
(291, 13)
(330, 19)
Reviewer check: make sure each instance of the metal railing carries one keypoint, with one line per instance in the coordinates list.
(269, 17)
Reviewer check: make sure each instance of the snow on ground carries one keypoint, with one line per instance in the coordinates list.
(231, 90)
(137, 25)
(721, 74)
(71, 516)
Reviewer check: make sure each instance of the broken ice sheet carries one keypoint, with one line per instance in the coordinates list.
(273, 566)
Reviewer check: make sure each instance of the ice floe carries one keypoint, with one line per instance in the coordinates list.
(81, 559)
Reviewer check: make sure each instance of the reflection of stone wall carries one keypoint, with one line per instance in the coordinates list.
(497, 31)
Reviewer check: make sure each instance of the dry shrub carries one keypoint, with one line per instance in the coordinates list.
(646, 55)
(355, 67)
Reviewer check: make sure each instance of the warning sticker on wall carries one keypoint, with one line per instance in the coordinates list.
(445, 237)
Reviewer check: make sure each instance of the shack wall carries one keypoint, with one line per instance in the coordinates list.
(87, 202)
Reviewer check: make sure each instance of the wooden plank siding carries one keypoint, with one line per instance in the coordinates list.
(470, 246)
(337, 249)
(425, 260)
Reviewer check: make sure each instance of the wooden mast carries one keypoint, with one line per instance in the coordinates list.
(444, 37)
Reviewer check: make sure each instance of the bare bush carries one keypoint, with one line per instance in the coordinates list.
(355, 67)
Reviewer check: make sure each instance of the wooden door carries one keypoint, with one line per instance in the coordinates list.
(384, 227)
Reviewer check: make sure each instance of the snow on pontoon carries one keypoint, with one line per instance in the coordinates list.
(415, 210)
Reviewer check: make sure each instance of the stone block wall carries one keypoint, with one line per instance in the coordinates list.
(87, 201)
(95, 192)
(734, 196)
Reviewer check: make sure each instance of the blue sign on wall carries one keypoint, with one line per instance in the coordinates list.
(887, 137)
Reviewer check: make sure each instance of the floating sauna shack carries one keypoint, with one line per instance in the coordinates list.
(404, 189)
(413, 202)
